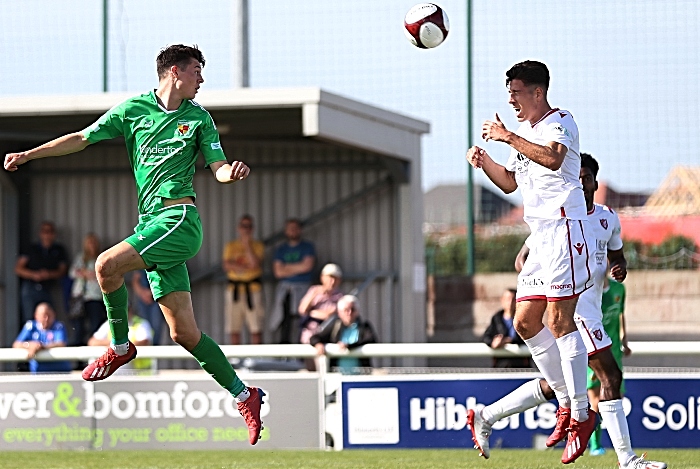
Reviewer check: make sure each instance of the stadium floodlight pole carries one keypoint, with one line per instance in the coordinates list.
(105, 30)
(470, 142)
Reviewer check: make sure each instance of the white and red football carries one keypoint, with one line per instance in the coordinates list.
(426, 25)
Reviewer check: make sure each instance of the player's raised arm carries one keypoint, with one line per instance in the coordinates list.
(64, 145)
(227, 173)
(504, 179)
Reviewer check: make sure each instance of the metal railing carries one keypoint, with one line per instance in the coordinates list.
(332, 350)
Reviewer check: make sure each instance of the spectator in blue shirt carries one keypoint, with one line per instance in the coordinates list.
(292, 265)
(43, 332)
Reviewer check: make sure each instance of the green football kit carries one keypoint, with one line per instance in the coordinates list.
(163, 147)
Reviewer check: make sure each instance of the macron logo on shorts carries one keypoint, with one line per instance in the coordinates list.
(563, 286)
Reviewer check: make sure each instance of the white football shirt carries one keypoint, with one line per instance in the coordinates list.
(606, 230)
(550, 194)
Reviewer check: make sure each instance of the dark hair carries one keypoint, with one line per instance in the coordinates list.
(530, 73)
(587, 161)
(179, 55)
(512, 290)
(294, 220)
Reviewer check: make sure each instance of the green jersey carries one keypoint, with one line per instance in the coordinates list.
(162, 145)
(613, 307)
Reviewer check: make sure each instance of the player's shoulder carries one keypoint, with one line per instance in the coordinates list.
(602, 208)
(562, 115)
(606, 212)
(137, 99)
(194, 106)
(134, 103)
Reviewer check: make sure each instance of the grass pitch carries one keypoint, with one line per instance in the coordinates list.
(501, 459)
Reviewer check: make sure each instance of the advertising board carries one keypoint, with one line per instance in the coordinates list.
(429, 411)
(188, 411)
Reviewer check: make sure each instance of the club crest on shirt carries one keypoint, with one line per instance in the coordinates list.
(597, 334)
(604, 223)
(184, 128)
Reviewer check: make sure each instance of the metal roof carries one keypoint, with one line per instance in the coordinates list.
(244, 113)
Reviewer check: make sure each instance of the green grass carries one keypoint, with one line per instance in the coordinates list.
(500, 459)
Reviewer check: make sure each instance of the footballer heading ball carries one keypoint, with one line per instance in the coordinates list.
(426, 25)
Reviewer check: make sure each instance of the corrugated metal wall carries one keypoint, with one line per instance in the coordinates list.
(298, 179)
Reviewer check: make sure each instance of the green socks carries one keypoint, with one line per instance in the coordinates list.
(594, 442)
(117, 304)
(214, 362)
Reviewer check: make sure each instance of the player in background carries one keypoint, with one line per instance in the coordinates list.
(164, 131)
(544, 163)
(613, 309)
(589, 320)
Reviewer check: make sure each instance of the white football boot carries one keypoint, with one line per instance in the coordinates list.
(481, 431)
(638, 462)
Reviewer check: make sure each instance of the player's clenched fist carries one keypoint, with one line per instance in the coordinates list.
(239, 170)
(13, 160)
(475, 157)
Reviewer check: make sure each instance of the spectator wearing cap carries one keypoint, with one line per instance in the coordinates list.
(320, 301)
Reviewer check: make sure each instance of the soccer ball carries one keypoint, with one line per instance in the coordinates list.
(426, 25)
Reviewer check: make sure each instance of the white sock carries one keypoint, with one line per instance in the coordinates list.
(545, 354)
(613, 415)
(243, 396)
(574, 365)
(121, 349)
(525, 397)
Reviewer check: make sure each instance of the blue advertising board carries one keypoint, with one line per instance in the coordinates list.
(429, 411)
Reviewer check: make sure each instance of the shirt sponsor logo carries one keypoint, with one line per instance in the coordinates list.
(157, 154)
(531, 282)
(521, 163)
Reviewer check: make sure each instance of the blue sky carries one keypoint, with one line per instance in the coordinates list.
(626, 70)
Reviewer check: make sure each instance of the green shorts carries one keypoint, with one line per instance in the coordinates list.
(165, 240)
(594, 382)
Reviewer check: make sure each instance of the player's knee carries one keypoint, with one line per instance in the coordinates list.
(103, 267)
(525, 327)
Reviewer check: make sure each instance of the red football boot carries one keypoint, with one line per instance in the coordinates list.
(579, 434)
(559, 433)
(108, 363)
(250, 410)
